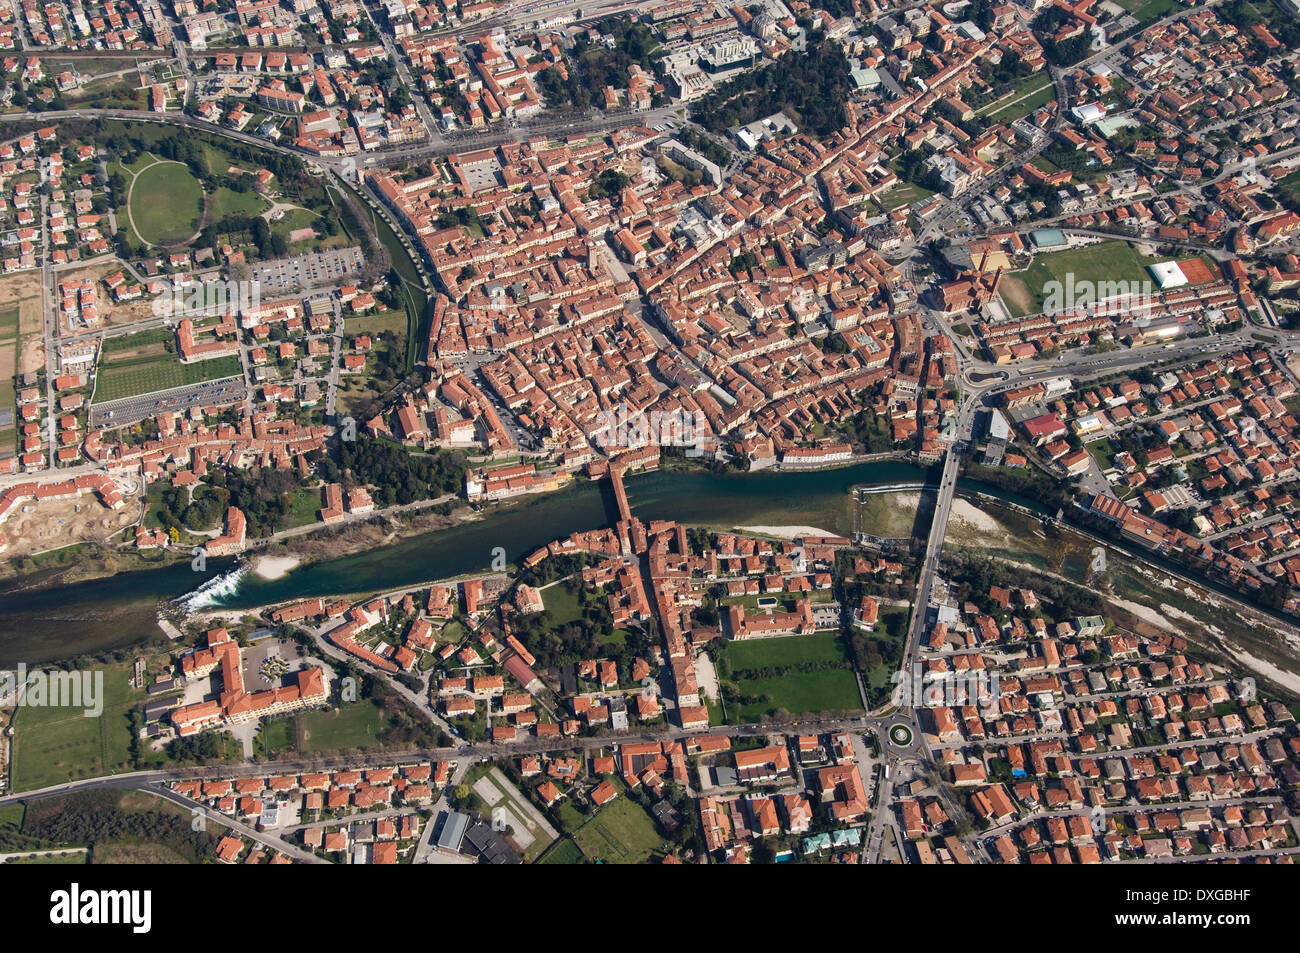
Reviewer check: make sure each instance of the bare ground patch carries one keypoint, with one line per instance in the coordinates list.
(890, 515)
(31, 336)
(16, 287)
(36, 527)
(1015, 294)
(128, 312)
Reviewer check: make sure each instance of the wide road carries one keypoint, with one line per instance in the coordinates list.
(549, 125)
(225, 770)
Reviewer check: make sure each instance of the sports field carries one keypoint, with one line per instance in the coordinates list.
(1105, 261)
(358, 725)
(145, 362)
(166, 204)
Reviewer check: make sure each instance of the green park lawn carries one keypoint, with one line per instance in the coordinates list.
(1024, 103)
(356, 725)
(621, 833)
(767, 653)
(794, 689)
(561, 604)
(564, 851)
(799, 693)
(224, 202)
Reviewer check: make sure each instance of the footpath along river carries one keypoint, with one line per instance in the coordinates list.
(37, 625)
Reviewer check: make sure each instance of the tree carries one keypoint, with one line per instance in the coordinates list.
(812, 88)
(608, 183)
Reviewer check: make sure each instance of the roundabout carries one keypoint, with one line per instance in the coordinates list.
(900, 735)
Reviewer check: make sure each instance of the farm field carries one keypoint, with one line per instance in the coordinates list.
(8, 368)
(22, 293)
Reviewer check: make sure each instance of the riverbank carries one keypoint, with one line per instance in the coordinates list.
(430, 546)
(784, 532)
(383, 555)
(80, 562)
(270, 560)
(812, 493)
(381, 529)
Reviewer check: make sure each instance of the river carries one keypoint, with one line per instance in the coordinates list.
(38, 625)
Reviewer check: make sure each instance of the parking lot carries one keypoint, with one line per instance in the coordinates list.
(285, 275)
